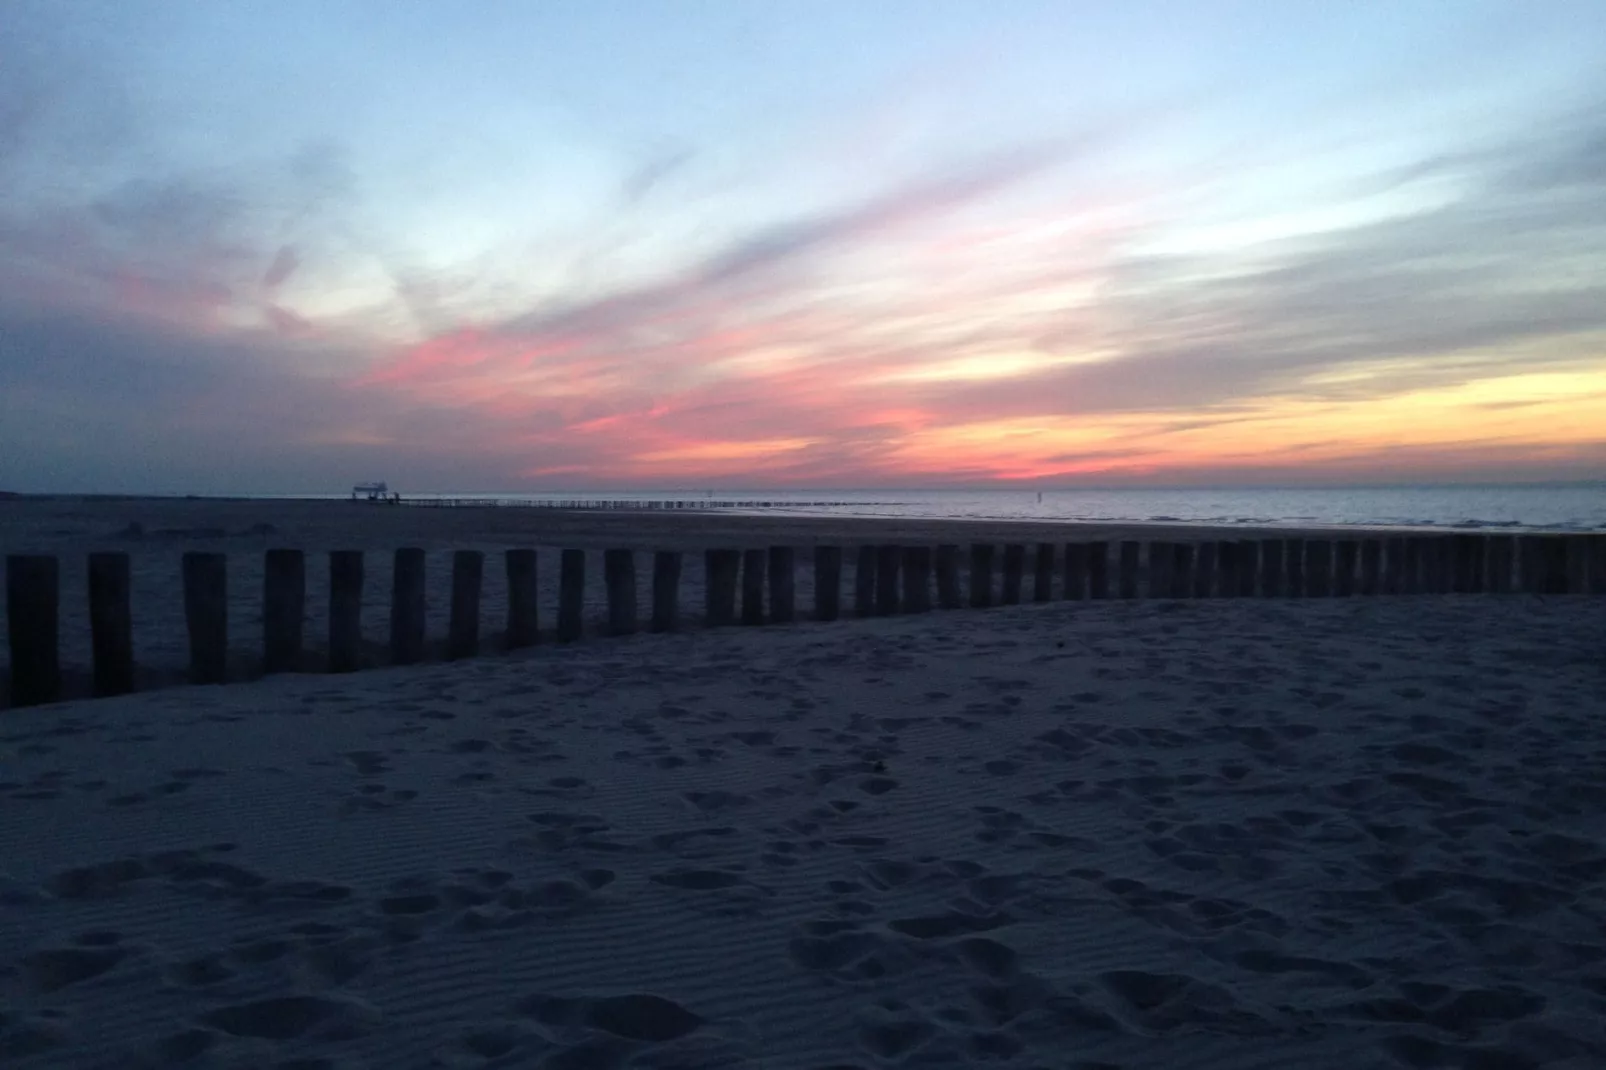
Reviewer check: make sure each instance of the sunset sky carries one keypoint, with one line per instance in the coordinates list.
(283, 247)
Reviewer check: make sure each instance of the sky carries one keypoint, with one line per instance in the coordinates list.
(514, 246)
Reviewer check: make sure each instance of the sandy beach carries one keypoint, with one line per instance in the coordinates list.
(157, 532)
(1199, 835)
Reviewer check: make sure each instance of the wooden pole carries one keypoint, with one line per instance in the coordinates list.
(1502, 553)
(1182, 566)
(719, 590)
(1479, 568)
(111, 623)
(206, 616)
(571, 595)
(753, 577)
(1128, 578)
(1076, 570)
(981, 575)
(463, 627)
(1461, 548)
(1597, 564)
(33, 611)
(665, 591)
(1578, 550)
(1294, 562)
(1555, 573)
(284, 600)
(1393, 565)
(1043, 573)
(1531, 564)
(948, 596)
(827, 582)
(1273, 578)
(1204, 570)
(917, 579)
(523, 599)
(1161, 562)
(1248, 567)
(1014, 569)
(783, 580)
(1319, 568)
(1371, 567)
(888, 560)
(864, 582)
(407, 607)
(1098, 570)
(1440, 559)
(345, 610)
(1411, 565)
(1227, 567)
(619, 575)
(1346, 558)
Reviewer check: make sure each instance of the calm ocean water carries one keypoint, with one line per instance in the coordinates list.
(1571, 507)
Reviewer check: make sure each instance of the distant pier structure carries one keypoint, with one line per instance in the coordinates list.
(374, 492)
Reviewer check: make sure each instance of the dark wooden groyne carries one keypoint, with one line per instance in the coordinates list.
(757, 586)
(636, 504)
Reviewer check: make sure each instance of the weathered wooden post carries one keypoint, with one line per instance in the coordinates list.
(665, 591)
(888, 560)
(111, 624)
(1294, 561)
(1161, 562)
(523, 598)
(345, 610)
(571, 595)
(1346, 556)
(981, 575)
(827, 582)
(619, 575)
(1130, 569)
(1502, 553)
(1479, 569)
(1076, 571)
(284, 601)
(1182, 565)
(1098, 570)
(206, 616)
(463, 626)
(1578, 564)
(1393, 565)
(1531, 564)
(1273, 578)
(1447, 564)
(719, 589)
(753, 577)
(1204, 569)
(917, 579)
(1371, 567)
(783, 578)
(1555, 564)
(33, 611)
(1014, 574)
(1227, 567)
(1597, 564)
(1411, 565)
(1461, 565)
(1248, 567)
(407, 607)
(1043, 573)
(948, 596)
(1319, 568)
(864, 582)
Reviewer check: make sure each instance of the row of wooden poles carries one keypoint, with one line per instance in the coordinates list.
(888, 580)
(622, 503)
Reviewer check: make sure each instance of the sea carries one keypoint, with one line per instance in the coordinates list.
(1526, 507)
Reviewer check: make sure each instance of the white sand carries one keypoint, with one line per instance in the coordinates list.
(1231, 834)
